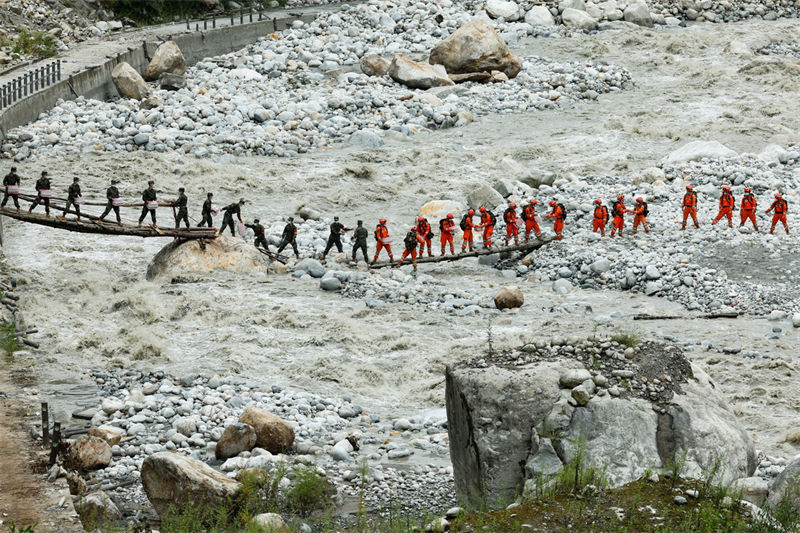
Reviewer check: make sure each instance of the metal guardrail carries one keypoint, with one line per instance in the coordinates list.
(245, 15)
(29, 83)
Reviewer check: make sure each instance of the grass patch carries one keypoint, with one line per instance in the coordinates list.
(145, 12)
(9, 342)
(640, 506)
(14, 528)
(629, 337)
(37, 44)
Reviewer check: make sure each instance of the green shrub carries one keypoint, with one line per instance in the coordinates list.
(38, 44)
(9, 342)
(309, 491)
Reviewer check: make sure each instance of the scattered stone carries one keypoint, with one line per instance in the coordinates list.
(168, 58)
(88, 453)
(170, 480)
(374, 65)
(273, 434)
(416, 75)
(236, 438)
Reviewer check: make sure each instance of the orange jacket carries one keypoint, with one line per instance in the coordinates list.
(448, 226)
(424, 227)
(780, 207)
(640, 208)
(557, 213)
(619, 209)
(601, 212)
(726, 200)
(381, 232)
(529, 211)
(486, 219)
(690, 199)
(749, 202)
(510, 216)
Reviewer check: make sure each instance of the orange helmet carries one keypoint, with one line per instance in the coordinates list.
(620, 196)
(420, 219)
(533, 201)
(450, 215)
(512, 205)
(598, 201)
(689, 188)
(778, 196)
(413, 228)
(640, 199)
(471, 212)
(382, 221)
(482, 209)
(552, 203)
(747, 189)
(726, 188)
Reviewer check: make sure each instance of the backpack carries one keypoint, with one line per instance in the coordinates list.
(410, 240)
(492, 218)
(614, 206)
(441, 225)
(563, 211)
(463, 223)
(646, 209)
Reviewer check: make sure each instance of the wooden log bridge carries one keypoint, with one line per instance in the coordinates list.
(92, 224)
(522, 247)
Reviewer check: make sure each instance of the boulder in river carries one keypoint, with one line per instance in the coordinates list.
(222, 253)
(272, 433)
(475, 47)
(697, 150)
(416, 75)
(128, 82)
(168, 58)
(436, 210)
(509, 297)
(171, 479)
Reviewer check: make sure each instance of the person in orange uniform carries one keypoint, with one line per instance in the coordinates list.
(510, 218)
(382, 240)
(780, 207)
(749, 205)
(447, 227)
(618, 210)
(529, 216)
(488, 220)
(600, 217)
(467, 226)
(425, 233)
(559, 215)
(690, 207)
(726, 203)
(412, 240)
(640, 212)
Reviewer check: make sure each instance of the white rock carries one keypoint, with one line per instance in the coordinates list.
(540, 16)
(575, 18)
(507, 10)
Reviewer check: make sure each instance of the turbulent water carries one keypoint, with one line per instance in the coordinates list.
(89, 298)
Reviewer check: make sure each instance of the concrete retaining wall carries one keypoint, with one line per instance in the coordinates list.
(96, 82)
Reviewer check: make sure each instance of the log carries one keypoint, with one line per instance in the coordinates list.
(676, 317)
(523, 247)
(94, 225)
(45, 425)
(274, 256)
(32, 344)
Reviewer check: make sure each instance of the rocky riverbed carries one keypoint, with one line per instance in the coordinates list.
(386, 350)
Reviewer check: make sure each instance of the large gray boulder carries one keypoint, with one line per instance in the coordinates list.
(170, 479)
(511, 425)
(168, 58)
(128, 82)
(475, 47)
(416, 75)
(236, 438)
(272, 433)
